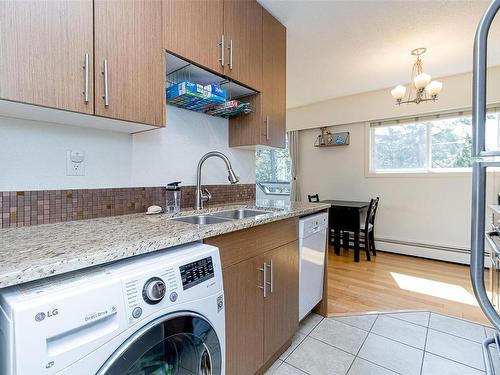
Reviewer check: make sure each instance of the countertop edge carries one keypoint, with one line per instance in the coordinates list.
(134, 249)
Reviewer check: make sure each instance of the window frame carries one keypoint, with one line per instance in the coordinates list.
(414, 172)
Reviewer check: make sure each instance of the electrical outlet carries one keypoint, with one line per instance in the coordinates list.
(75, 163)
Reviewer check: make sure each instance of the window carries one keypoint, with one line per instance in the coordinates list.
(273, 173)
(430, 144)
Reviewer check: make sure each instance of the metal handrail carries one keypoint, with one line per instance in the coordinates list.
(478, 234)
(479, 167)
(488, 361)
(479, 82)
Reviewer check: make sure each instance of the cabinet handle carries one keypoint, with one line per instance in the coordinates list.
(230, 54)
(86, 79)
(222, 50)
(267, 127)
(271, 271)
(106, 88)
(264, 279)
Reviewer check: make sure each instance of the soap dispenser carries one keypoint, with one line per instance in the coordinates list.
(173, 198)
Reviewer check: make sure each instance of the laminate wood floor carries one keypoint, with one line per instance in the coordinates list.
(393, 282)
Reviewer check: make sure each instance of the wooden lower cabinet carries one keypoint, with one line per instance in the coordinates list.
(259, 323)
(257, 326)
(244, 316)
(281, 306)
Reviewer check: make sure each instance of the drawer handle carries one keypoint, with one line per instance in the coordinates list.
(267, 127)
(222, 50)
(106, 87)
(271, 271)
(230, 54)
(264, 279)
(86, 79)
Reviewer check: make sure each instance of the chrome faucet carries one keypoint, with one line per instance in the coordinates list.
(204, 196)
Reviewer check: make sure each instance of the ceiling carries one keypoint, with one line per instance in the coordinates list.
(339, 48)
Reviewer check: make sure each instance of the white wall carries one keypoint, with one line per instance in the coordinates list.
(33, 154)
(433, 211)
(375, 105)
(172, 154)
(429, 212)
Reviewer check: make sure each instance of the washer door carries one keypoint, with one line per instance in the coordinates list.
(181, 343)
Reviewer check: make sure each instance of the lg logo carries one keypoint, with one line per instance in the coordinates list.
(42, 315)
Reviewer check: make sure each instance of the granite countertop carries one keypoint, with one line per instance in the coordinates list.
(36, 252)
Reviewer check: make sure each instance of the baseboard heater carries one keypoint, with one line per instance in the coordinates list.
(425, 250)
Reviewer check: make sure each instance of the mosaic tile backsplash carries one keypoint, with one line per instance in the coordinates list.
(24, 208)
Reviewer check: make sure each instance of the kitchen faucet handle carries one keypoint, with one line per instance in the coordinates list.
(206, 195)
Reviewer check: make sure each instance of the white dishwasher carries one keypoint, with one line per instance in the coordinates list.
(312, 247)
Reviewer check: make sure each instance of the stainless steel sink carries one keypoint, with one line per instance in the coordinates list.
(201, 219)
(241, 213)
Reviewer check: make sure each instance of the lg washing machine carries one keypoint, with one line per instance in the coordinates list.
(155, 314)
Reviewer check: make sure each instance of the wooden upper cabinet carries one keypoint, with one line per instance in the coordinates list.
(266, 125)
(193, 30)
(273, 81)
(281, 307)
(43, 49)
(128, 39)
(243, 42)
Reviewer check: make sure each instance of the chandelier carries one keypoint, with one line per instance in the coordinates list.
(422, 88)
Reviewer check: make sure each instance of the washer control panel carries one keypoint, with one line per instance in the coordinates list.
(157, 284)
(195, 273)
(146, 293)
(154, 290)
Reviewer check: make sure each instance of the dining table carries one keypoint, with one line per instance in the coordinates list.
(344, 217)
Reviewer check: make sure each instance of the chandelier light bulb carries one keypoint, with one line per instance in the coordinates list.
(398, 92)
(434, 88)
(421, 80)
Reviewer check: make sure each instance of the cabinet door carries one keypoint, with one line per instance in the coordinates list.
(193, 30)
(274, 80)
(128, 40)
(43, 48)
(281, 307)
(244, 316)
(243, 38)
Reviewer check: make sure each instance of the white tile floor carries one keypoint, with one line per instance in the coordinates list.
(413, 343)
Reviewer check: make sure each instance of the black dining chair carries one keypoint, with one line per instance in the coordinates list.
(367, 231)
(313, 198)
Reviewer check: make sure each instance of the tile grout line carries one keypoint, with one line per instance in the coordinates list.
(289, 354)
(289, 364)
(460, 363)
(451, 334)
(461, 319)
(425, 346)
(407, 321)
(330, 345)
(399, 342)
(351, 325)
(363, 343)
(305, 336)
(364, 359)
(387, 338)
(356, 355)
(424, 351)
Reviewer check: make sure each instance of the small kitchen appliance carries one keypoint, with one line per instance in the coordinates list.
(173, 198)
